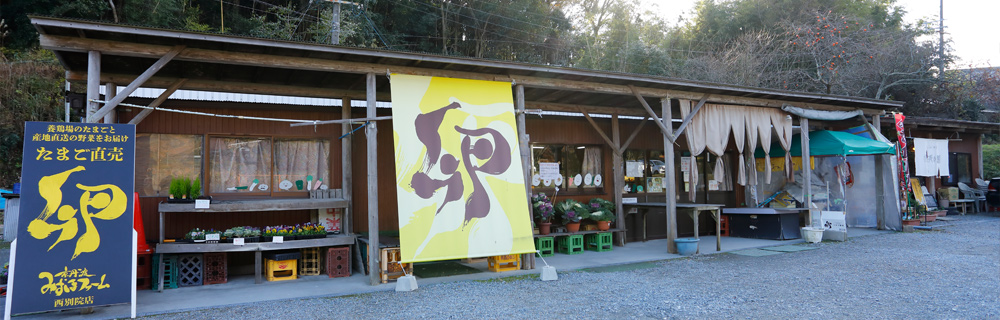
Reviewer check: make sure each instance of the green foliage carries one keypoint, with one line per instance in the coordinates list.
(571, 211)
(185, 186)
(991, 161)
(601, 210)
(30, 90)
(195, 190)
(175, 188)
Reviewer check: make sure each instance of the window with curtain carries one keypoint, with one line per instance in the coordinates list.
(239, 165)
(302, 162)
(162, 157)
(579, 167)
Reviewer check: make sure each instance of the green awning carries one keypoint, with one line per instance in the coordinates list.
(831, 143)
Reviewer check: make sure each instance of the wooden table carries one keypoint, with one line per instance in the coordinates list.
(695, 212)
(965, 204)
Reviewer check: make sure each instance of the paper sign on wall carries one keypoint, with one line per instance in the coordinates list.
(633, 169)
(548, 170)
(713, 185)
(685, 165)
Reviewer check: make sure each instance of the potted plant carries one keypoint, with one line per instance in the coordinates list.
(542, 208)
(195, 235)
(572, 212)
(194, 192)
(602, 211)
(175, 189)
(913, 219)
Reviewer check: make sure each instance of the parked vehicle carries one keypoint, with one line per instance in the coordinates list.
(993, 193)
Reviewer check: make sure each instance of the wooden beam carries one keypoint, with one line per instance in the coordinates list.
(614, 146)
(61, 43)
(522, 137)
(667, 133)
(690, 116)
(671, 179)
(347, 184)
(371, 135)
(93, 84)
(224, 86)
(807, 168)
(136, 83)
(634, 133)
(619, 178)
(159, 100)
(110, 90)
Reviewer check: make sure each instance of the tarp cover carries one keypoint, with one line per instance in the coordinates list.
(832, 143)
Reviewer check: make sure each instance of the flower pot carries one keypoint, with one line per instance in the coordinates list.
(929, 217)
(941, 213)
(544, 228)
(686, 246)
(603, 225)
(911, 222)
(812, 235)
(572, 227)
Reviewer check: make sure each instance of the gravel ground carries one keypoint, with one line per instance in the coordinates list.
(950, 273)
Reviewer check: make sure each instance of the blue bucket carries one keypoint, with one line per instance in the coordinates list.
(686, 246)
(17, 188)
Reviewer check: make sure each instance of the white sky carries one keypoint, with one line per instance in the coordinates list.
(971, 24)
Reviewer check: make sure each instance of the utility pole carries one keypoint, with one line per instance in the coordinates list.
(335, 22)
(941, 40)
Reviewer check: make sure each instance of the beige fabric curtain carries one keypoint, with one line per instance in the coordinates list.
(300, 158)
(737, 123)
(236, 162)
(782, 124)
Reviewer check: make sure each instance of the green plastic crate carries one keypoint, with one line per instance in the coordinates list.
(570, 244)
(599, 242)
(545, 246)
(170, 272)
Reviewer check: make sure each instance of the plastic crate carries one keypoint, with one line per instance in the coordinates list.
(144, 271)
(309, 264)
(724, 226)
(169, 271)
(508, 262)
(546, 246)
(190, 269)
(570, 244)
(280, 270)
(599, 242)
(216, 265)
(282, 255)
(338, 262)
(390, 269)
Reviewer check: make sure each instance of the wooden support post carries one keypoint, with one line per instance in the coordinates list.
(347, 184)
(619, 173)
(522, 136)
(371, 135)
(806, 166)
(110, 90)
(670, 176)
(93, 84)
(159, 100)
(666, 132)
(112, 103)
(613, 145)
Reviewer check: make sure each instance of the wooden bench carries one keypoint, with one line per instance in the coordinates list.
(964, 203)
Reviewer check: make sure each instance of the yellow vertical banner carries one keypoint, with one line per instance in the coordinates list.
(460, 188)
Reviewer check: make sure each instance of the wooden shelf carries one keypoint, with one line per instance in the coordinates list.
(257, 205)
(183, 247)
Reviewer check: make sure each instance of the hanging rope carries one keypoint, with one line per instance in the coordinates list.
(212, 114)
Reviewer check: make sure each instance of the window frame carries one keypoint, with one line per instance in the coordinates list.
(562, 170)
(270, 193)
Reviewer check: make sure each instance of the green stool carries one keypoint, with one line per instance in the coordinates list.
(545, 246)
(570, 244)
(599, 242)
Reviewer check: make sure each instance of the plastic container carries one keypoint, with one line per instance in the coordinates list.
(812, 235)
(686, 246)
